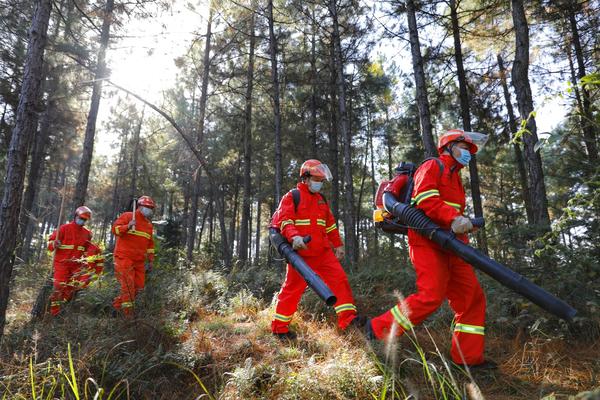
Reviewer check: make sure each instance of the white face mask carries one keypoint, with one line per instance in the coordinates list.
(146, 212)
(315, 187)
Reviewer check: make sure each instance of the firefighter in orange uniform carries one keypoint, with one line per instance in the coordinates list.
(311, 216)
(134, 253)
(438, 191)
(70, 242)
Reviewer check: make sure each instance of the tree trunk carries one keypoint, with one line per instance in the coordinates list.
(245, 238)
(135, 157)
(276, 105)
(195, 184)
(116, 198)
(258, 226)
(202, 224)
(349, 233)
(16, 163)
(465, 113)
(388, 140)
(361, 192)
(421, 88)
(211, 221)
(28, 216)
(90, 129)
(333, 140)
(520, 81)
(373, 181)
(512, 123)
(313, 82)
(589, 136)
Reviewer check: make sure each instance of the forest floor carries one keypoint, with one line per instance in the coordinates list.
(204, 333)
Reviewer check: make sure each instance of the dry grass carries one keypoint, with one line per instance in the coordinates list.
(197, 329)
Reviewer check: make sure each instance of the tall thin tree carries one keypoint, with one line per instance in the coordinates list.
(349, 232)
(276, 105)
(193, 217)
(23, 133)
(421, 88)
(465, 114)
(583, 98)
(90, 129)
(245, 222)
(520, 81)
(512, 124)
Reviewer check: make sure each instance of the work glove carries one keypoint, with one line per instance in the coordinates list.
(131, 225)
(148, 266)
(461, 225)
(57, 243)
(298, 243)
(339, 252)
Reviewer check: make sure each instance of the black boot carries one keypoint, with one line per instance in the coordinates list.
(289, 336)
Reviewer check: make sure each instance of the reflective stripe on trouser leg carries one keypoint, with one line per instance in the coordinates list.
(467, 299)
(328, 267)
(287, 300)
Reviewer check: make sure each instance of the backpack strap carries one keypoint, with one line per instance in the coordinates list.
(296, 198)
(439, 163)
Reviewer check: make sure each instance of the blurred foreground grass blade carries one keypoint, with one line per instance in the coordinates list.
(72, 380)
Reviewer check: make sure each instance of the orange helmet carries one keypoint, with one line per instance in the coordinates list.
(475, 140)
(83, 212)
(315, 168)
(146, 201)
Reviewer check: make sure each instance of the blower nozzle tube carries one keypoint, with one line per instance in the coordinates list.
(417, 220)
(312, 279)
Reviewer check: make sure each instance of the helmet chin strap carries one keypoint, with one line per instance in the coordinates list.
(450, 148)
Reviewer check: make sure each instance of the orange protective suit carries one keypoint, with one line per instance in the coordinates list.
(440, 273)
(312, 217)
(133, 248)
(68, 262)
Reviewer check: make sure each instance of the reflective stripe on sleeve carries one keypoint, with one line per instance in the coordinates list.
(127, 304)
(321, 222)
(401, 319)
(285, 223)
(473, 329)
(425, 195)
(66, 246)
(81, 248)
(302, 222)
(331, 228)
(117, 231)
(150, 251)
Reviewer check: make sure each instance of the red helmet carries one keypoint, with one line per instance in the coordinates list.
(315, 168)
(146, 201)
(475, 140)
(83, 212)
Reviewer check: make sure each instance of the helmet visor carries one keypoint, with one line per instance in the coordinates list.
(322, 171)
(478, 139)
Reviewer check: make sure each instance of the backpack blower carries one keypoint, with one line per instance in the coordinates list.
(394, 214)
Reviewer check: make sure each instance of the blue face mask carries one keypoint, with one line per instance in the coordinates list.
(465, 156)
(80, 221)
(146, 212)
(315, 187)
